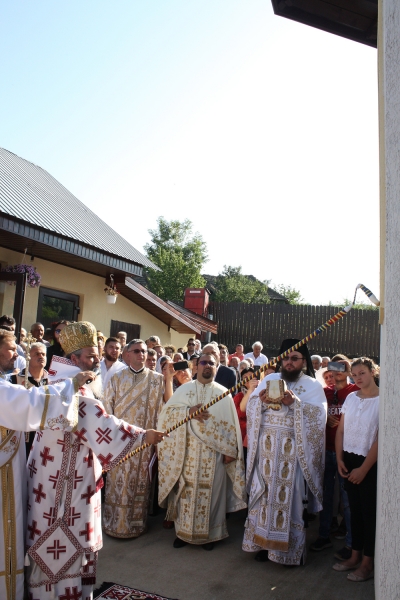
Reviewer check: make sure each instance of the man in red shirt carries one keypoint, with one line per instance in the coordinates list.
(335, 395)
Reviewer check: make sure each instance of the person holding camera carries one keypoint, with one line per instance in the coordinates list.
(335, 396)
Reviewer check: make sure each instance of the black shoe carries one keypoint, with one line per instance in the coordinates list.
(208, 546)
(178, 543)
(261, 556)
(321, 544)
(343, 554)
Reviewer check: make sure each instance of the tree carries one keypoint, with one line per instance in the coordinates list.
(290, 293)
(179, 254)
(232, 286)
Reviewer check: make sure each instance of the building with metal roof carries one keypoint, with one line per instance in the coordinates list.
(75, 252)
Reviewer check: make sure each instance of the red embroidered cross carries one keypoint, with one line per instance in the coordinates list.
(100, 412)
(105, 460)
(89, 494)
(50, 516)
(74, 595)
(89, 459)
(56, 550)
(90, 563)
(39, 493)
(33, 530)
(103, 436)
(97, 508)
(32, 468)
(38, 435)
(62, 443)
(54, 479)
(87, 532)
(81, 434)
(82, 406)
(72, 516)
(127, 432)
(46, 456)
(77, 479)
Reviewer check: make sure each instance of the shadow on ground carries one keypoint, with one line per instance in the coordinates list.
(151, 563)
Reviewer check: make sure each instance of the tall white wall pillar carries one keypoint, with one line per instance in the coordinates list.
(387, 572)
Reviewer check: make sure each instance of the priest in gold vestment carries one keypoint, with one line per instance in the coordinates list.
(201, 468)
(134, 394)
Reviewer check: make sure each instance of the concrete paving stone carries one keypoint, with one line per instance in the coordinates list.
(150, 563)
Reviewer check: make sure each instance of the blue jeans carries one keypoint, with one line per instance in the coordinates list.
(325, 517)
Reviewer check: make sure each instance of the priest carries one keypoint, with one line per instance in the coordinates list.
(39, 408)
(201, 469)
(285, 459)
(134, 394)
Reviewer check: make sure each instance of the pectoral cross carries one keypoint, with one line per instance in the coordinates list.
(299, 390)
(29, 340)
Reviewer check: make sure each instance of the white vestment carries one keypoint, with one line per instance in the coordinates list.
(285, 469)
(195, 484)
(54, 407)
(64, 509)
(106, 374)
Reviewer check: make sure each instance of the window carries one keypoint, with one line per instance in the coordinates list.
(56, 306)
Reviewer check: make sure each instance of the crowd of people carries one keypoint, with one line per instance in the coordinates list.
(285, 439)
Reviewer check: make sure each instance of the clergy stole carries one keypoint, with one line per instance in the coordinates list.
(277, 466)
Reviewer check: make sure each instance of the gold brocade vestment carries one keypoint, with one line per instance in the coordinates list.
(194, 483)
(136, 398)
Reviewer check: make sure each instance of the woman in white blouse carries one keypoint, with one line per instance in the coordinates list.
(357, 453)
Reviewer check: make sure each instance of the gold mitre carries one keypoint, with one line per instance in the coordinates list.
(77, 336)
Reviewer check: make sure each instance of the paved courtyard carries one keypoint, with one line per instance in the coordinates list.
(151, 563)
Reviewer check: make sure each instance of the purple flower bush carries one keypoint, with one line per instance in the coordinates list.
(33, 278)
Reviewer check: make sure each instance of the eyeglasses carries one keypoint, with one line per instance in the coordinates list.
(190, 344)
(137, 351)
(203, 363)
(292, 358)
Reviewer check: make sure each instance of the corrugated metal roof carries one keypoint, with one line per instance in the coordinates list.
(29, 193)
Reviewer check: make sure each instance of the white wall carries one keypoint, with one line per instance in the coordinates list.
(387, 571)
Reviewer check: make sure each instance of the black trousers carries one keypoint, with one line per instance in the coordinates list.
(362, 500)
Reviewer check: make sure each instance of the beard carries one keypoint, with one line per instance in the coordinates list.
(290, 376)
(96, 387)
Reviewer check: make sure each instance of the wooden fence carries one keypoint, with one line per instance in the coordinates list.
(356, 334)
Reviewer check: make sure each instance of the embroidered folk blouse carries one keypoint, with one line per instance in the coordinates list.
(361, 423)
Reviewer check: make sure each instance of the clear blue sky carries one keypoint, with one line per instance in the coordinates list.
(263, 132)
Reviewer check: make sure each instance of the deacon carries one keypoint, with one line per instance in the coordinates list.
(201, 469)
(38, 408)
(285, 459)
(134, 394)
(64, 473)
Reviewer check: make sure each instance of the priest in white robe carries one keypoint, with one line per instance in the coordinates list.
(285, 460)
(201, 469)
(49, 407)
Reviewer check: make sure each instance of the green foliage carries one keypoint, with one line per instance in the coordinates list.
(232, 286)
(358, 306)
(179, 254)
(292, 295)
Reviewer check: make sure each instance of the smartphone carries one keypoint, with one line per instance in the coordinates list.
(181, 365)
(336, 366)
